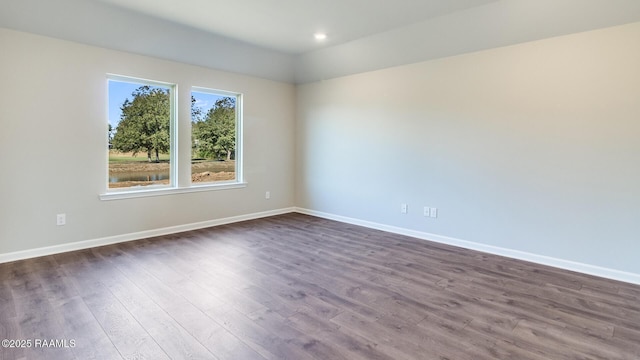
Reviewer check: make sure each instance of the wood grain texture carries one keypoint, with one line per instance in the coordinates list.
(298, 287)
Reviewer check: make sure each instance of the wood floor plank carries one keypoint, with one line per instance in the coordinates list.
(129, 337)
(277, 324)
(38, 322)
(263, 341)
(10, 329)
(7, 304)
(90, 340)
(353, 345)
(174, 340)
(299, 287)
(391, 336)
(183, 300)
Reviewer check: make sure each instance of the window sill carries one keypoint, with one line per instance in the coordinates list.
(131, 194)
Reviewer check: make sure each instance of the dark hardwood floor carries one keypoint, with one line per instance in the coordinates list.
(299, 287)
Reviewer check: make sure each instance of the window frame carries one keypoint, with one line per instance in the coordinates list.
(238, 150)
(174, 153)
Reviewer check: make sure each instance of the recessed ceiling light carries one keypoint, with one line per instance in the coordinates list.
(320, 36)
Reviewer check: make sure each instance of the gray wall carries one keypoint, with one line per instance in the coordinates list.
(53, 144)
(532, 147)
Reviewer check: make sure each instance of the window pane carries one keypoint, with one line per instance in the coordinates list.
(139, 134)
(213, 136)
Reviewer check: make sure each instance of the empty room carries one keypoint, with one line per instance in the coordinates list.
(339, 179)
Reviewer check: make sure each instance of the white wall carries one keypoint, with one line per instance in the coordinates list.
(532, 147)
(53, 138)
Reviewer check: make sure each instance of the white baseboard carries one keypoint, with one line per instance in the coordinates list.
(515, 254)
(495, 250)
(80, 245)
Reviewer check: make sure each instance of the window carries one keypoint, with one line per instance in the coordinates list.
(142, 142)
(215, 124)
(141, 127)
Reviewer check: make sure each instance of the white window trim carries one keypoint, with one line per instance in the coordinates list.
(149, 192)
(239, 125)
(172, 188)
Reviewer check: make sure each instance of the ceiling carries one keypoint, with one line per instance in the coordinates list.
(273, 39)
(289, 25)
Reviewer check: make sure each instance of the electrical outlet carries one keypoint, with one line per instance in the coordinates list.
(267, 195)
(61, 219)
(403, 208)
(433, 212)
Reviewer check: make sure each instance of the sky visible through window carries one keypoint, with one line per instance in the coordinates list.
(204, 101)
(119, 91)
